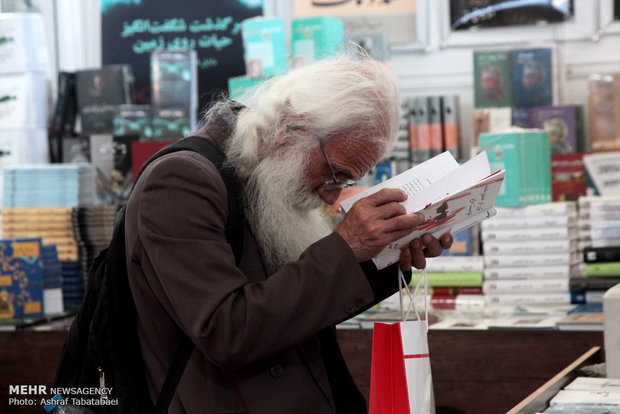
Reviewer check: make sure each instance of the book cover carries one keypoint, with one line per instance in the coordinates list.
(99, 91)
(500, 222)
(111, 157)
(526, 156)
(450, 118)
(422, 133)
(528, 234)
(141, 151)
(171, 122)
(174, 79)
(133, 120)
(602, 169)
(315, 38)
(532, 77)
(564, 123)
(490, 120)
(264, 46)
(568, 177)
(492, 78)
(21, 278)
(537, 210)
(461, 302)
(604, 111)
(451, 197)
(240, 85)
(464, 243)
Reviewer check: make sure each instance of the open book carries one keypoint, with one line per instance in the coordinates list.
(451, 197)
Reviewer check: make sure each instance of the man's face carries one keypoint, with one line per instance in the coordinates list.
(350, 159)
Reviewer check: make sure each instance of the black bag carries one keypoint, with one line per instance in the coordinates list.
(102, 349)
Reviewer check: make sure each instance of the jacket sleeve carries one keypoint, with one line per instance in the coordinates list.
(189, 264)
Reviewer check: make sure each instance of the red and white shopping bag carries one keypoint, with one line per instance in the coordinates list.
(400, 379)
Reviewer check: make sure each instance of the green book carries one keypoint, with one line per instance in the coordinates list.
(264, 46)
(239, 85)
(525, 154)
(603, 269)
(492, 78)
(315, 38)
(449, 279)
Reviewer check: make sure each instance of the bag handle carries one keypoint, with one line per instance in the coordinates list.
(402, 285)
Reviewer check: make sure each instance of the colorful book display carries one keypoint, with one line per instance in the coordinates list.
(492, 78)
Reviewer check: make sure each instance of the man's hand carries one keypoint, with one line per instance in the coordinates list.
(416, 252)
(375, 221)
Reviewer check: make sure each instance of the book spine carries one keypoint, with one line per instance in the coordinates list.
(463, 264)
(514, 260)
(451, 279)
(526, 285)
(423, 134)
(528, 299)
(455, 290)
(457, 302)
(451, 124)
(603, 269)
(528, 222)
(581, 283)
(528, 234)
(435, 125)
(531, 272)
(534, 210)
(414, 155)
(521, 247)
(601, 254)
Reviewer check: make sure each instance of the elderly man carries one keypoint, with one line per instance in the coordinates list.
(263, 331)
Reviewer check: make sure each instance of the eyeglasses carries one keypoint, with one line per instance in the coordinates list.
(335, 183)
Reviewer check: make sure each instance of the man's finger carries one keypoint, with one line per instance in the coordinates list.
(386, 195)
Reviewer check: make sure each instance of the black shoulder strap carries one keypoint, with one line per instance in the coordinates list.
(234, 235)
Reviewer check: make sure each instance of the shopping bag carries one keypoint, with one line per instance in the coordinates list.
(400, 379)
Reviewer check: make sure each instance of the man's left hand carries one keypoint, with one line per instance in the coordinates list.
(415, 253)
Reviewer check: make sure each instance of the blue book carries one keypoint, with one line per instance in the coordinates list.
(21, 278)
(532, 80)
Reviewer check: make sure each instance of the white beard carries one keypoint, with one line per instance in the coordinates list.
(284, 217)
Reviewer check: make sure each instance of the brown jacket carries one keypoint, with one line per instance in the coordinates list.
(266, 346)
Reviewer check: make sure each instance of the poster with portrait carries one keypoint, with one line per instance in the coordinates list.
(466, 14)
(361, 17)
(132, 29)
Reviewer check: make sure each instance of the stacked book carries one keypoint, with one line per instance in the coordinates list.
(52, 281)
(93, 228)
(454, 282)
(53, 225)
(48, 185)
(530, 254)
(72, 285)
(599, 235)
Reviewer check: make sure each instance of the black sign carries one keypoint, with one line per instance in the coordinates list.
(131, 30)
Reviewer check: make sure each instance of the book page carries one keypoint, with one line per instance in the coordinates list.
(411, 181)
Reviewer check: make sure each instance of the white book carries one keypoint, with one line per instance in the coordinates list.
(607, 233)
(558, 208)
(528, 234)
(587, 224)
(527, 298)
(451, 197)
(547, 285)
(499, 222)
(455, 264)
(594, 384)
(532, 272)
(520, 322)
(599, 202)
(602, 169)
(524, 247)
(531, 259)
(589, 242)
(586, 397)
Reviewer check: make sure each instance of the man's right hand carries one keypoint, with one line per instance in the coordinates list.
(375, 221)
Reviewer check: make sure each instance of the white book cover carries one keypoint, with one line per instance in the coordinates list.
(603, 170)
(527, 299)
(547, 285)
(532, 272)
(451, 197)
(525, 247)
(585, 397)
(532, 259)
